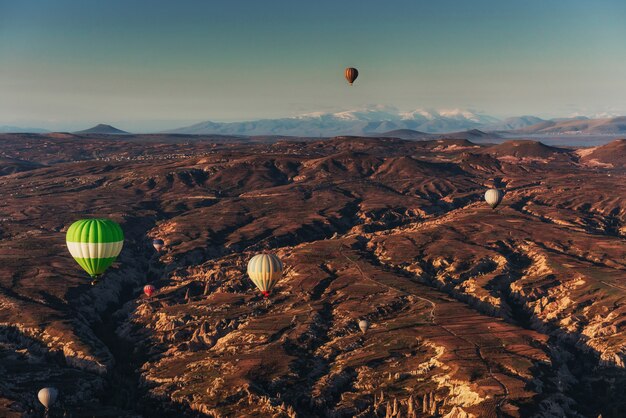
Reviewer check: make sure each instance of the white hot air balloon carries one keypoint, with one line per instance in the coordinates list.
(48, 396)
(493, 197)
(364, 325)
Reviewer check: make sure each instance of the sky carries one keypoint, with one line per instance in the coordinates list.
(147, 65)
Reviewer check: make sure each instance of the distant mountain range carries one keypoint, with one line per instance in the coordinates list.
(517, 122)
(354, 122)
(17, 129)
(382, 121)
(389, 122)
(577, 126)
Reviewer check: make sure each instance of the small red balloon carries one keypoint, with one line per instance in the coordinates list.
(149, 290)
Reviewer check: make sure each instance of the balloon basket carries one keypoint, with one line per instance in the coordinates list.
(95, 279)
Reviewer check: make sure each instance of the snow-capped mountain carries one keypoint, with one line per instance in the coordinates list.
(366, 121)
(517, 122)
(451, 114)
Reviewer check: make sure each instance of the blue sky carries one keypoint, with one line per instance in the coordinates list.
(147, 65)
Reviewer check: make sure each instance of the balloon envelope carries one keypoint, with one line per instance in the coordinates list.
(351, 74)
(95, 244)
(493, 197)
(158, 244)
(364, 325)
(47, 396)
(265, 270)
(149, 290)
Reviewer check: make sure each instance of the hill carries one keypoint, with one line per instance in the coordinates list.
(102, 129)
(404, 134)
(529, 150)
(14, 165)
(611, 155)
(471, 135)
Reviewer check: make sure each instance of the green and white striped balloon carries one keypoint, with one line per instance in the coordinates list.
(95, 244)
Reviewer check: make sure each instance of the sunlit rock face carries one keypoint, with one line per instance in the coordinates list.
(473, 312)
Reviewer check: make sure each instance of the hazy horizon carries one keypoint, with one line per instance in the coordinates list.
(149, 66)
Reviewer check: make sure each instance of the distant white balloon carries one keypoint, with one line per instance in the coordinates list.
(363, 325)
(48, 396)
(493, 197)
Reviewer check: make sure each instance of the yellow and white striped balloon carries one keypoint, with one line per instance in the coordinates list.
(493, 197)
(265, 270)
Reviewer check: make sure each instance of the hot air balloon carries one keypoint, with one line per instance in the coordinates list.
(95, 244)
(158, 244)
(364, 325)
(149, 290)
(265, 270)
(493, 197)
(47, 397)
(351, 74)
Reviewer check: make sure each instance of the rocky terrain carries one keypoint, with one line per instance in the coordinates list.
(474, 312)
